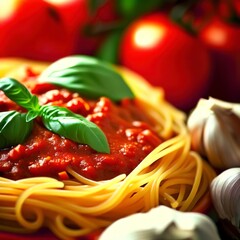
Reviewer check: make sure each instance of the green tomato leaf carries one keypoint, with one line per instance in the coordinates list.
(13, 128)
(18, 93)
(75, 127)
(88, 76)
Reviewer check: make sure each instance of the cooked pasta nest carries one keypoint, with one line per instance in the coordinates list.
(172, 175)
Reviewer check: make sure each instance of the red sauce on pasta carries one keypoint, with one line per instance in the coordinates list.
(44, 153)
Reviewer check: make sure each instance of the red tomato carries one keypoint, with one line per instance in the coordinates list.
(222, 39)
(168, 57)
(29, 29)
(73, 13)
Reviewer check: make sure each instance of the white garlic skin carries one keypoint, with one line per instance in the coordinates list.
(162, 223)
(225, 193)
(214, 126)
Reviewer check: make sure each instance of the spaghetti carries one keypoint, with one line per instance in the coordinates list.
(171, 175)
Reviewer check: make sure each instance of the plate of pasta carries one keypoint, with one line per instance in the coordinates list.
(84, 144)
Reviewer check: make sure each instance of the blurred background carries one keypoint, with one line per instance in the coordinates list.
(189, 48)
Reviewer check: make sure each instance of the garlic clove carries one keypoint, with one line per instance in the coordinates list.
(212, 144)
(214, 126)
(225, 192)
(234, 106)
(162, 223)
(196, 123)
(235, 206)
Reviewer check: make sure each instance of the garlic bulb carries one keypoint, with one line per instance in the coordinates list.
(162, 223)
(215, 129)
(225, 192)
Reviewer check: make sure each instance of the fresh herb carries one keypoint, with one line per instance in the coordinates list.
(19, 94)
(83, 74)
(13, 128)
(67, 124)
(88, 76)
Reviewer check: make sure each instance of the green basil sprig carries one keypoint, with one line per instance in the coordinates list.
(70, 125)
(18, 93)
(13, 128)
(88, 76)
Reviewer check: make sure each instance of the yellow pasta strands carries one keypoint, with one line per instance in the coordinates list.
(171, 174)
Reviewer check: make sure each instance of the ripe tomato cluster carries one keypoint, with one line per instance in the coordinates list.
(167, 56)
(50, 29)
(188, 66)
(141, 37)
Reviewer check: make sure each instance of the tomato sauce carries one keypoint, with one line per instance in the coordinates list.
(129, 132)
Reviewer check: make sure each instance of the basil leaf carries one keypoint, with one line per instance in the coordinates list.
(88, 76)
(13, 128)
(18, 93)
(75, 127)
(31, 115)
